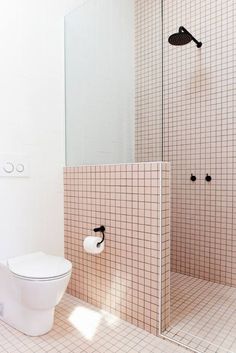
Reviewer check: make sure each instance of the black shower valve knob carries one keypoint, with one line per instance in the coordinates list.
(208, 178)
(193, 177)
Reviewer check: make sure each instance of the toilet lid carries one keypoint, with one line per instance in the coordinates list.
(39, 266)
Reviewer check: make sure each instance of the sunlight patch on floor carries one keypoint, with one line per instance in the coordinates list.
(86, 321)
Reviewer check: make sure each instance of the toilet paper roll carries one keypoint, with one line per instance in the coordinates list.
(90, 245)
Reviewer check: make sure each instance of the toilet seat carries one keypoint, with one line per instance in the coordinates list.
(48, 279)
(39, 267)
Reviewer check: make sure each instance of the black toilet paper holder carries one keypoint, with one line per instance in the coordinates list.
(100, 229)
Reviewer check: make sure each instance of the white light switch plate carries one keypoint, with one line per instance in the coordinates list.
(14, 166)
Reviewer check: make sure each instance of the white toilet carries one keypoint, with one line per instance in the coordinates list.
(30, 288)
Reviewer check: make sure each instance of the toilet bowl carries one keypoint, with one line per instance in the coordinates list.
(30, 288)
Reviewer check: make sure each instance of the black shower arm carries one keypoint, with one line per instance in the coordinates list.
(184, 30)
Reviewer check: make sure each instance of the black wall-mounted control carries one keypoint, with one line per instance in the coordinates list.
(193, 177)
(208, 178)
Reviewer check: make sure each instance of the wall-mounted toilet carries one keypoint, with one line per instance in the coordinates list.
(30, 288)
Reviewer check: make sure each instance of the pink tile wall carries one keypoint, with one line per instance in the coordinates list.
(199, 128)
(128, 199)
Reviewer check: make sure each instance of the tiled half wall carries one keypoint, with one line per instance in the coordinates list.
(199, 128)
(132, 201)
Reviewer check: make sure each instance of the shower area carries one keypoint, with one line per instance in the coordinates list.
(186, 78)
(176, 76)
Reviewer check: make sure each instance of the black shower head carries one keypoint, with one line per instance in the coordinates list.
(182, 37)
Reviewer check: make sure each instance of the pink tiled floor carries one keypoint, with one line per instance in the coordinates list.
(79, 327)
(203, 315)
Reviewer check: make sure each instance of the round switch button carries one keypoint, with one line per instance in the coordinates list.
(20, 168)
(8, 167)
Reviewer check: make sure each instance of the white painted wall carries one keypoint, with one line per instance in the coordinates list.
(99, 39)
(32, 123)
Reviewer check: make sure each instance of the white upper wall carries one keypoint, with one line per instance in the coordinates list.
(32, 123)
(100, 86)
